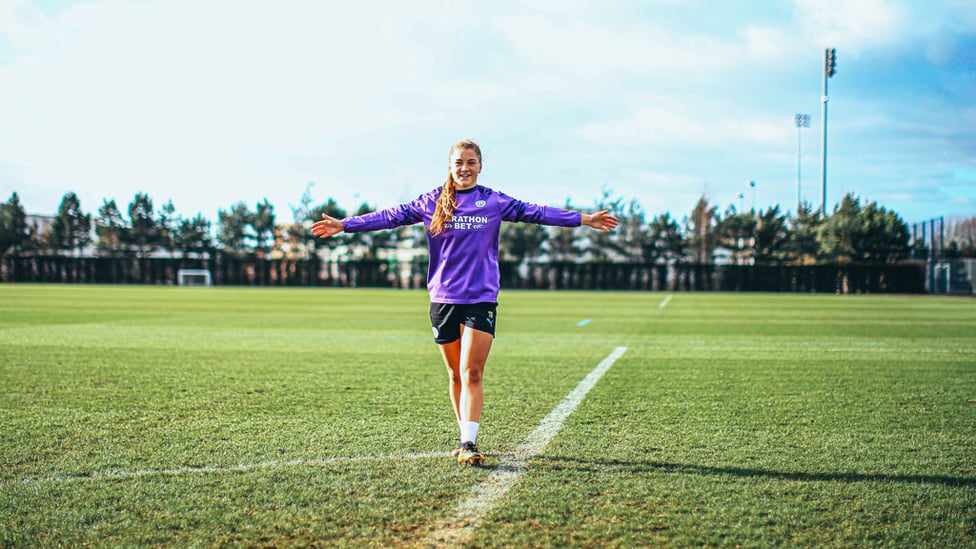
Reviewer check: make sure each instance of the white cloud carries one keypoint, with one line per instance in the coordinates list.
(23, 25)
(770, 44)
(689, 120)
(854, 26)
(593, 50)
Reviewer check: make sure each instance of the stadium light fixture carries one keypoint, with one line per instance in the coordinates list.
(830, 68)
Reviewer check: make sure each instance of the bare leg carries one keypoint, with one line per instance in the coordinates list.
(475, 346)
(451, 352)
(465, 360)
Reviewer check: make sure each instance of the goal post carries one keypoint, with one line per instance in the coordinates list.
(194, 277)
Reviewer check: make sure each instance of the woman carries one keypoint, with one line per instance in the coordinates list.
(463, 222)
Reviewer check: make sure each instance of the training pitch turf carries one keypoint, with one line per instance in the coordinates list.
(148, 416)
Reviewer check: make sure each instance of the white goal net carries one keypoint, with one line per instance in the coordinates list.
(194, 277)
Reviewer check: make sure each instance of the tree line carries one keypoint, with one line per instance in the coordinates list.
(856, 232)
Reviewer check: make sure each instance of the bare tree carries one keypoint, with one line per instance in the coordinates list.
(700, 226)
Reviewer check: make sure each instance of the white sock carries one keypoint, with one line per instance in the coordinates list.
(469, 431)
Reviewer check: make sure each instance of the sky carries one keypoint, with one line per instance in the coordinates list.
(208, 102)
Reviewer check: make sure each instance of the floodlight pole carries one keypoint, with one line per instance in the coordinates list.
(830, 64)
(802, 121)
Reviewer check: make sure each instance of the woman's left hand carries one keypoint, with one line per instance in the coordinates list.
(602, 220)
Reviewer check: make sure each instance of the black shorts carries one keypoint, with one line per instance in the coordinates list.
(446, 319)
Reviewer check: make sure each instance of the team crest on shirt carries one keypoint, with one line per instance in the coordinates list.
(480, 203)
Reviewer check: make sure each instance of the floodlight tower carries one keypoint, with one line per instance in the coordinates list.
(830, 67)
(802, 121)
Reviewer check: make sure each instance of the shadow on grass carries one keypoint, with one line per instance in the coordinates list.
(562, 463)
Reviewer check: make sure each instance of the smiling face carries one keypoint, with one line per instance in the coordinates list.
(465, 166)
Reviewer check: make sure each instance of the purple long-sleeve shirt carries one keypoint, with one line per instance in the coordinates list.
(464, 258)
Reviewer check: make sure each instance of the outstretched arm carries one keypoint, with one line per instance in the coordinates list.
(329, 226)
(602, 220)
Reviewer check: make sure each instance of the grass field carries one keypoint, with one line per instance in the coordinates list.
(145, 416)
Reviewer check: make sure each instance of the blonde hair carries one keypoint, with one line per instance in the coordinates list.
(447, 200)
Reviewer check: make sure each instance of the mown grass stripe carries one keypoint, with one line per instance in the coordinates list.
(181, 471)
(459, 527)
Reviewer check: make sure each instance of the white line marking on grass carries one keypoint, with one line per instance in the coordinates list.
(460, 526)
(664, 303)
(583, 322)
(181, 471)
